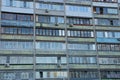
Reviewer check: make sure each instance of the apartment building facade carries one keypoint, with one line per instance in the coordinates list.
(59, 40)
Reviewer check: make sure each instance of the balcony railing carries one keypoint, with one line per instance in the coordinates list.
(20, 37)
(17, 23)
(83, 66)
(80, 52)
(84, 2)
(50, 66)
(15, 67)
(16, 52)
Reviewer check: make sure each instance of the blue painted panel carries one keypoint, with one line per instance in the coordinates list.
(108, 40)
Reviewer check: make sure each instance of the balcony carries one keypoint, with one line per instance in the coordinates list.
(45, 52)
(80, 2)
(19, 52)
(12, 23)
(83, 66)
(81, 39)
(16, 67)
(105, 16)
(50, 66)
(108, 53)
(82, 53)
(50, 38)
(17, 37)
(109, 66)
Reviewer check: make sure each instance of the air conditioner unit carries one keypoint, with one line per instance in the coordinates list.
(118, 39)
(71, 25)
(46, 10)
(56, 24)
(7, 64)
(59, 65)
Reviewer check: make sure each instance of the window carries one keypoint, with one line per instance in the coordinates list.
(10, 3)
(50, 32)
(50, 6)
(21, 60)
(50, 45)
(110, 74)
(13, 30)
(83, 74)
(78, 46)
(51, 74)
(16, 45)
(108, 34)
(78, 21)
(56, 60)
(105, 10)
(8, 16)
(24, 4)
(82, 60)
(13, 16)
(107, 22)
(50, 19)
(108, 47)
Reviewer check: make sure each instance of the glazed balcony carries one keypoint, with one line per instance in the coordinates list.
(15, 23)
(83, 66)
